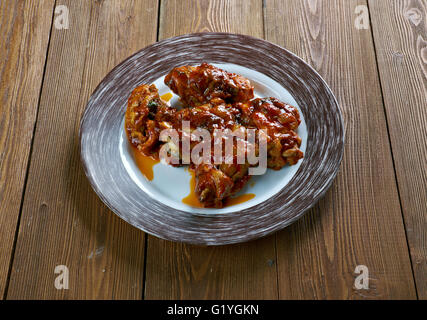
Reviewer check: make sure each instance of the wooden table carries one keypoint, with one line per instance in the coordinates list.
(373, 54)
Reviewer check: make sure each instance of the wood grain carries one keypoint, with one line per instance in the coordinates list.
(178, 271)
(400, 34)
(63, 221)
(359, 221)
(237, 16)
(25, 27)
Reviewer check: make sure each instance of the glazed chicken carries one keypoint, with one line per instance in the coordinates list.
(280, 121)
(213, 99)
(208, 84)
(147, 115)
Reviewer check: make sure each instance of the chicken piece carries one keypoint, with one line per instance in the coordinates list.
(208, 84)
(212, 185)
(209, 117)
(280, 121)
(142, 128)
(214, 182)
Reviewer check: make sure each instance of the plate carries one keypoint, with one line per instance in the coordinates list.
(156, 206)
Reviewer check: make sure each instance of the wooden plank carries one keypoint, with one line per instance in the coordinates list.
(400, 34)
(238, 16)
(25, 27)
(63, 221)
(359, 221)
(178, 271)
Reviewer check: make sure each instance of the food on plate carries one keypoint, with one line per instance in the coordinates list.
(213, 100)
(208, 84)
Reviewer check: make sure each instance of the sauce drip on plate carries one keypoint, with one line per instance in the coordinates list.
(145, 164)
(166, 97)
(192, 199)
(232, 201)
